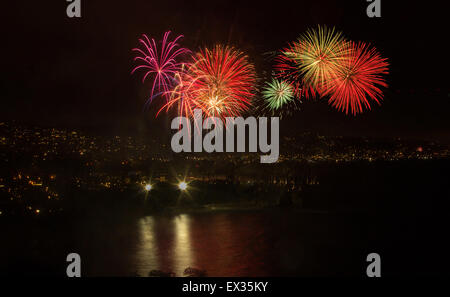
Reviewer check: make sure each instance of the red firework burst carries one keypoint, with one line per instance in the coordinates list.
(220, 81)
(358, 79)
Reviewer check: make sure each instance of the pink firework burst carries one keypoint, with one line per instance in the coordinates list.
(159, 63)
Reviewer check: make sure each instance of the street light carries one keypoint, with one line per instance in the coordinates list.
(182, 185)
(148, 187)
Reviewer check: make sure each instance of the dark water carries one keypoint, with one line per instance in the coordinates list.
(277, 242)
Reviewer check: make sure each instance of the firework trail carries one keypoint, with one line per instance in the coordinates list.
(287, 70)
(358, 79)
(180, 95)
(159, 63)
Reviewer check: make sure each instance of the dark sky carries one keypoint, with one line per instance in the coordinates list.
(76, 72)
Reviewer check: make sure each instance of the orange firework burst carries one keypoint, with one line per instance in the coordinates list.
(358, 79)
(220, 81)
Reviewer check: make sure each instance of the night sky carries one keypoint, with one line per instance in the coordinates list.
(57, 71)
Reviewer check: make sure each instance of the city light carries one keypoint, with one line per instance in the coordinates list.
(182, 185)
(148, 187)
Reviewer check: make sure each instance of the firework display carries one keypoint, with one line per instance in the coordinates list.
(322, 63)
(159, 63)
(317, 55)
(277, 93)
(358, 79)
(221, 81)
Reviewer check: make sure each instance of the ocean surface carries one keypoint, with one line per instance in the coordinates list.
(274, 242)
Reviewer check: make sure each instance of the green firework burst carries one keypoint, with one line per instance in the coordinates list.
(277, 93)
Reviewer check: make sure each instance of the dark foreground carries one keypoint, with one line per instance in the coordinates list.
(279, 242)
(397, 211)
